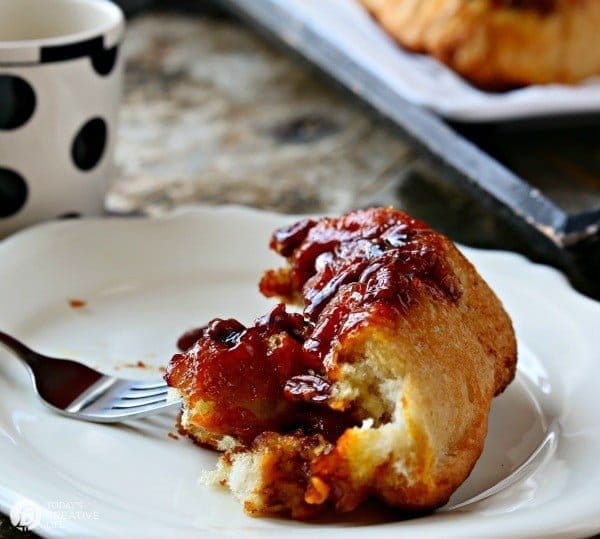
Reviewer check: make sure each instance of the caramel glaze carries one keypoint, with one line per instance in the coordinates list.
(190, 338)
(344, 267)
(271, 376)
(258, 378)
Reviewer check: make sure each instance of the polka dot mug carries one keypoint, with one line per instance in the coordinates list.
(60, 88)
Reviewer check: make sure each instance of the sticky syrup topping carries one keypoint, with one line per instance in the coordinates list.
(346, 266)
(270, 376)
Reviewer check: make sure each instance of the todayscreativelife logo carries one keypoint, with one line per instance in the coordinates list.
(25, 514)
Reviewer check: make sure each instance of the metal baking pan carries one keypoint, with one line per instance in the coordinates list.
(515, 167)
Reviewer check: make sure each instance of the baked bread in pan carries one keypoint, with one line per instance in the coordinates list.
(499, 44)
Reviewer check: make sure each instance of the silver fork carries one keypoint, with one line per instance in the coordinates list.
(80, 392)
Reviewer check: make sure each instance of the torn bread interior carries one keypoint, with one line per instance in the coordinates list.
(380, 388)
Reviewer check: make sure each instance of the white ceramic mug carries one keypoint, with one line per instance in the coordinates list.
(60, 89)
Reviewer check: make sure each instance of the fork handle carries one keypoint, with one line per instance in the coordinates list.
(20, 350)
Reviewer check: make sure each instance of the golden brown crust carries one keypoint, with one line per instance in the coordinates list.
(454, 358)
(382, 389)
(500, 44)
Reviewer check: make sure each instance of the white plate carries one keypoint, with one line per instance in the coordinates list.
(147, 280)
(421, 79)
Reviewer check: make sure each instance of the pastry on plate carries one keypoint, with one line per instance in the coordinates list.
(500, 44)
(380, 388)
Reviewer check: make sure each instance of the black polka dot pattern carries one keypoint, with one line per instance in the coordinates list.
(17, 102)
(70, 215)
(13, 192)
(89, 144)
(104, 61)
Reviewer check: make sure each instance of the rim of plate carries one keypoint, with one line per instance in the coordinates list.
(185, 212)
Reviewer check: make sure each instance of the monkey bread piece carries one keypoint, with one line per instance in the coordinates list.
(500, 44)
(381, 388)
